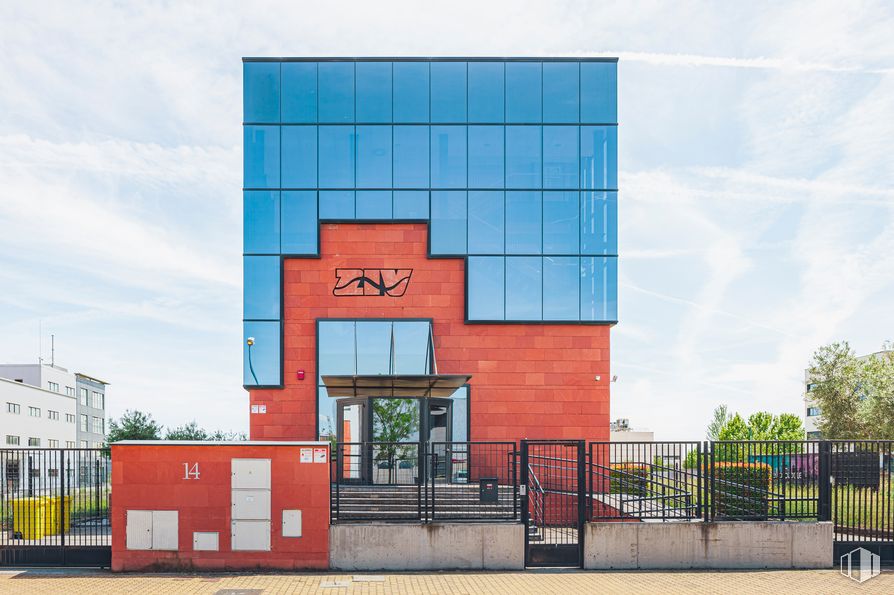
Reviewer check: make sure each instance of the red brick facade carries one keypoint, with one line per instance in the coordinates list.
(528, 381)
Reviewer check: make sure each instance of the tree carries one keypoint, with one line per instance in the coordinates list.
(834, 376)
(394, 421)
(877, 387)
(721, 416)
(734, 429)
(134, 425)
(190, 431)
(787, 426)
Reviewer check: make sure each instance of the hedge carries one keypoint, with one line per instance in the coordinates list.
(629, 478)
(742, 490)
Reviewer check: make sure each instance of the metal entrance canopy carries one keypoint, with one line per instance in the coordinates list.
(406, 386)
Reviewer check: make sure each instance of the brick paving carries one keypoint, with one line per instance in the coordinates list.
(565, 582)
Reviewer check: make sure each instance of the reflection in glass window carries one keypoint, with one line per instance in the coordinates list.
(523, 161)
(412, 352)
(599, 92)
(486, 101)
(411, 87)
(561, 223)
(448, 91)
(262, 368)
(335, 348)
(561, 92)
(261, 287)
(337, 204)
(485, 222)
(373, 204)
(261, 154)
(485, 290)
(299, 156)
(599, 157)
(448, 156)
(336, 83)
(523, 222)
(460, 412)
(260, 91)
(486, 157)
(336, 160)
(411, 158)
(299, 222)
(373, 91)
(411, 204)
(448, 222)
(374, 348)
(523, 91)
(524, 285)
(561, 278)
(599, 289)
(374, 156)
(299, 92)
(261, 222)
(599, 223)
(560, 157)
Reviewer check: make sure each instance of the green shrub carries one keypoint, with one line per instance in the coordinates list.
(742, 490)
(629, 478)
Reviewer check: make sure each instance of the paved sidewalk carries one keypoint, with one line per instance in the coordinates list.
(811, 582)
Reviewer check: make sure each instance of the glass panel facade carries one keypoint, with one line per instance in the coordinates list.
(261, 287)
(503, 159)
(261, 361)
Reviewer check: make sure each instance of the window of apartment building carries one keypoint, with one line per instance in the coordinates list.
(83, 396)
(811, 386)
(54, 386)
(98, 400)
(84, 444)
(34, 411)
(84, 422)
(97, 445)
(53, 443)
(813, 411)
(70, 418)
(33, 441)
(12, 440)
(13, 408)
(69, 444)
(52, 414)
(69, 391)
(97, 425)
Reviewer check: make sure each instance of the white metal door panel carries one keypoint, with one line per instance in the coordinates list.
(250, 474)
(164, 530)
(205, 541)
(251, 505)
(139, 529)
(250, 536)
(291, 523)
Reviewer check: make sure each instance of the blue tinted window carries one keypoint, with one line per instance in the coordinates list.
(486, 157)
(336, 83)
(411, 204)
(374, 156)
(261, 154)
(448, 91)
(299, 156)
(599, 157)
(561, 223)
(261, 361)
(486, 281)
(373, 91)
(599, 92)
(485, 222)
(337, 204)
(411, 347)
(261, 287)
(599, 289)
(561, 277)
(523, 217)
(448, 156)
(335, 348)
(299, 92)
(411, 91)
(336, 160)
(560, 157)
(599, 223)
(373, 204)
(448, 222)
(373, 347)
(260, 92)
(523, 161)
(261, 222)
(486, 101)
(411, 160)
(524, 284)
(523, 92)
(561, 92)
(299, 222)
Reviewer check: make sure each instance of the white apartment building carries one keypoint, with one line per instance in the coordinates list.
(36, 417)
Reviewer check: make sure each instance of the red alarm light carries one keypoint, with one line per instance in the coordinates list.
(300, 374)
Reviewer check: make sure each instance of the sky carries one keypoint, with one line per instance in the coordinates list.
(756, 205)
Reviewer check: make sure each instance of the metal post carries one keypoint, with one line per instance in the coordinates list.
(62, 502)
(824, 478)
(713, 491)
(524, 493)
(581, 503)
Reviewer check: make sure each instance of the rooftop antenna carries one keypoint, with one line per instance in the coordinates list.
(52, 351)
(39, 342)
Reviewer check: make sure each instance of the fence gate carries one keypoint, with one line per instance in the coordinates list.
(54, 507)
(554, 501)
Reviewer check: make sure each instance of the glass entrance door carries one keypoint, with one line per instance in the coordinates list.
(352, 432)
(439, 435)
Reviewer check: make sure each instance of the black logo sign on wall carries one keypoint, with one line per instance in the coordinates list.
(371, 282)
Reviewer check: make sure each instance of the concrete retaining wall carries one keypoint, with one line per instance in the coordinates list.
(708, 545)
(437, 546)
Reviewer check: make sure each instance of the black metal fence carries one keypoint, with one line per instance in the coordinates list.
(54, 506)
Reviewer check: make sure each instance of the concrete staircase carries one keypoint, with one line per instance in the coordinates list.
(402, 503)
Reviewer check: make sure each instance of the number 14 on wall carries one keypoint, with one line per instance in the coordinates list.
(190, 472)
